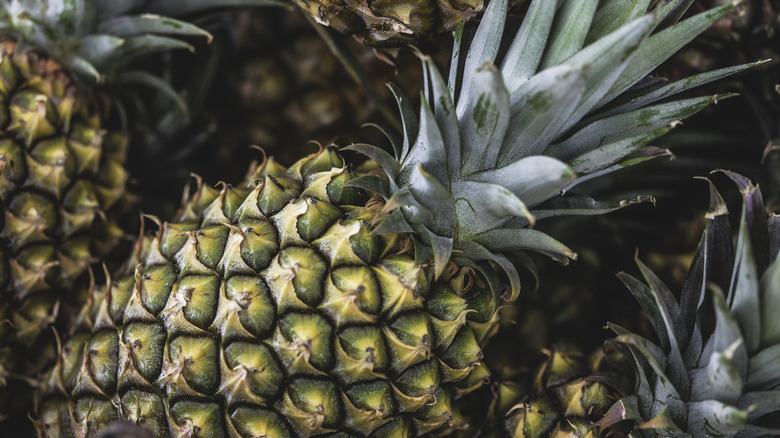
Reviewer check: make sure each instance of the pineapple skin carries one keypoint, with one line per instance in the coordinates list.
(273, 311)
(568, 395)
(392, 22)
(62, 187)
(291, 89)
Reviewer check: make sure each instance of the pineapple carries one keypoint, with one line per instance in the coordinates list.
(323, 298)
(569, 394)
(391, 22)
(714, 370)
(62, 175)
(62, 191)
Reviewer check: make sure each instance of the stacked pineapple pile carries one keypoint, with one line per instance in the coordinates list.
(62, 158)
(333, 299)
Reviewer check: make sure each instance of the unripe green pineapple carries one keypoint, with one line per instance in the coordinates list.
(322, 299)
(61, 172)
(293, 89)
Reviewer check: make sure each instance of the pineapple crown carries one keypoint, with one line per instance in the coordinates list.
(94, 39)
(715, 370)
(498, 145)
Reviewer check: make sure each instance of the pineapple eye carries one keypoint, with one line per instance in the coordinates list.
(370, 356)
(244, 299)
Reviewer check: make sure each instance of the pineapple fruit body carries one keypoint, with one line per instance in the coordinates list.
(62, 154)
(570, 393)
(272, 310)
(292, 89)
(392, 22)
(62, 186)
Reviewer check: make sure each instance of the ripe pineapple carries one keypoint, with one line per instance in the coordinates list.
(62, 175)
(295, 304)
(61, 171)
(714, 370)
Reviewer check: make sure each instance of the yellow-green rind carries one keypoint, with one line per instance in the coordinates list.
(62, 190)
(568, 396)
(392, 22)
(274, 308)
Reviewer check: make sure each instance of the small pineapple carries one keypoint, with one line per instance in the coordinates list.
(61, 172)
(568, 396)
(62, 188)
(327, 299)
(714, 370)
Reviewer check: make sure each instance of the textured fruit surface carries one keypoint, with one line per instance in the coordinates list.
(271, 311)
(61, 186)
(65, 69)
(392, 22)
(568, 395)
